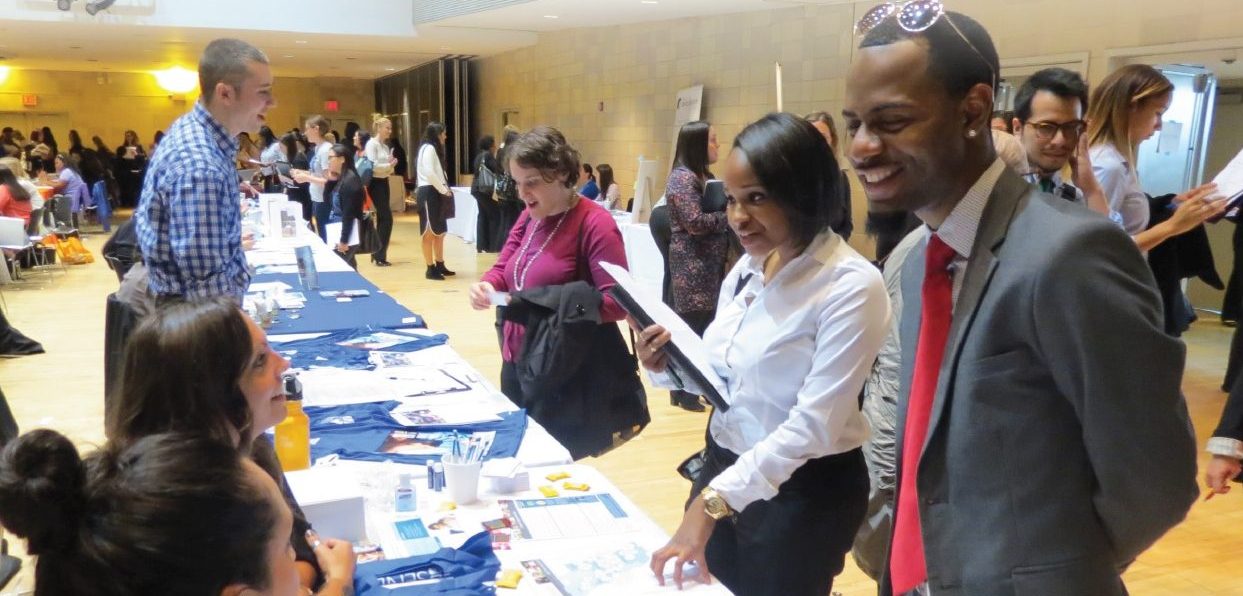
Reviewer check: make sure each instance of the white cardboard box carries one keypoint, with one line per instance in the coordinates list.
(332, 501)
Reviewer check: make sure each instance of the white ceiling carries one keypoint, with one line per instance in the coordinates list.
(120, 43)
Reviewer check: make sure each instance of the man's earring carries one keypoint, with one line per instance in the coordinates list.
(972, 133)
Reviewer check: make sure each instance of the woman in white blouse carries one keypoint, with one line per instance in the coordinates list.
(431, 188)
(1125, 110)
(798, 325)
(382, 162)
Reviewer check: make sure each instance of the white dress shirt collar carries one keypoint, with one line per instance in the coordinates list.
(959, 229)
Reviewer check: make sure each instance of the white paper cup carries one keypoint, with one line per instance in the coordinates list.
(462, 481)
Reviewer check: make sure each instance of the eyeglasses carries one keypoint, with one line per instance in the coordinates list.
(1046, 131)
(916, 16)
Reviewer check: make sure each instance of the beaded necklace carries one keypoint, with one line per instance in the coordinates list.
(520, 272)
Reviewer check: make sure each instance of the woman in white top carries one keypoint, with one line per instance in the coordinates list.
(1126, 109)
(432, 187)
(798, 325)
(610, 192)
(272, 152)
(382, 162)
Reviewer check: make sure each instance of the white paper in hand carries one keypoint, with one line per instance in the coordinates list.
(681, 334)
(1230, 180)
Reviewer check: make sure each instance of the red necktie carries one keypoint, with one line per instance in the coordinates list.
(906, 563)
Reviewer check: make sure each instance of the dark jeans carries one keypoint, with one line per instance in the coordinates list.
(487, 229)
(378, 187)
(795, 543)
(323, 215)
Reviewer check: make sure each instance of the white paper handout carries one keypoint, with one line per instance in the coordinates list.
(333, 231)
(1230, 180)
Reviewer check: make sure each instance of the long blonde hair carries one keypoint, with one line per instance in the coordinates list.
(1109, 112)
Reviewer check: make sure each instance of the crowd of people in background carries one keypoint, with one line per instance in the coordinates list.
(1005, 243)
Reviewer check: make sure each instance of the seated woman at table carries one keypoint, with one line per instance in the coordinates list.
(561, 238)
(69, 183)
(610, 192)
(14, 198)
(168, 514)
(345, 190)
(205, 367)
(798, 324)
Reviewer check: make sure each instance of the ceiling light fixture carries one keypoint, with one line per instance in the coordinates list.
(649, 2)
(390, 69)
(287, 56)
(300, 41)
(551, 16)
(176, 79)
(4, 74)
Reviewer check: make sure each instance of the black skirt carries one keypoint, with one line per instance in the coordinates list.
(430, 213)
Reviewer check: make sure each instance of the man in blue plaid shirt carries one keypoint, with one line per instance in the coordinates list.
(189, 217)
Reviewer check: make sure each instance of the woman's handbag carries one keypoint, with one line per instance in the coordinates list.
(448, 208)
(368, 237)
(484, 182)
(506, 189)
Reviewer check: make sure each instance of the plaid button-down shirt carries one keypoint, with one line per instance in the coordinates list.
(189, 217)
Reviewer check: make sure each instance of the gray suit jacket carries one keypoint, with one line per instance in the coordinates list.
(1059, 446)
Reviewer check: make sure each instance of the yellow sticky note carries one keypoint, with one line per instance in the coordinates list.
(548, 491)
(579, 486)
(509, 578)
(555, 476)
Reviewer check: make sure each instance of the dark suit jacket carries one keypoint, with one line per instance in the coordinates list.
(1059, 446)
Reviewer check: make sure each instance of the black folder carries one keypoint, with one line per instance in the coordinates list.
(680, 366)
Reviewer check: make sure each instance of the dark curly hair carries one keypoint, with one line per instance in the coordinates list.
(168, 514)
(545, 149)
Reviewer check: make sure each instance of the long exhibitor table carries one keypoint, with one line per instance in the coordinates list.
(395, 393)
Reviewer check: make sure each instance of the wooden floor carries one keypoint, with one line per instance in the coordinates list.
(63, 390)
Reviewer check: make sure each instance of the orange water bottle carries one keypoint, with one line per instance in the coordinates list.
(293, 434)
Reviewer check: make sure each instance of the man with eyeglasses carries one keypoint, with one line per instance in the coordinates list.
(1042, 441)
(1048, 115)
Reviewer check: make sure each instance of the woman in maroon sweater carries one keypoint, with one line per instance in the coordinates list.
(557, 236)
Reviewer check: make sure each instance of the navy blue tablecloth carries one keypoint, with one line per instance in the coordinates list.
(326, 314)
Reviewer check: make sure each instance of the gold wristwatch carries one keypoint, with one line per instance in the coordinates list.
(714, 505)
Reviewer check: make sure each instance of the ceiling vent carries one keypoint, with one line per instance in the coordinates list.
(430, 11)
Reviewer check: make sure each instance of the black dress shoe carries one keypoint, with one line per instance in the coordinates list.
(383, 264)
(433, 273)
(440, 266)
(686, 401)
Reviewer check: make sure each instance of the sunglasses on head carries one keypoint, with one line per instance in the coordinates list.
(916, 16)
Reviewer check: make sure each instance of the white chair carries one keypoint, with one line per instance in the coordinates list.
(13, 238)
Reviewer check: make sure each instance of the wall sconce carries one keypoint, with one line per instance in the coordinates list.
(176, 80)
(4, 74)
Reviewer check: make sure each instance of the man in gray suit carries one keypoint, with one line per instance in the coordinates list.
(1043, 442)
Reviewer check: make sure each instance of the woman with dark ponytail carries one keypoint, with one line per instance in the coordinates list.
(168, 514)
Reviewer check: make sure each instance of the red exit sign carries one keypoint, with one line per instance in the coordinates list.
(30, 100)
(332, 105)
